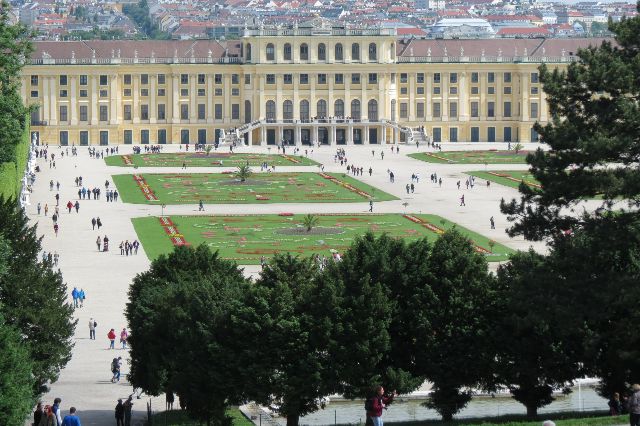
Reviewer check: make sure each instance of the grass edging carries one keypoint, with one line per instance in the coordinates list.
(180, 418)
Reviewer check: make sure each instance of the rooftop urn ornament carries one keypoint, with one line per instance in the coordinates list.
(499, 53)
(209, 54)
(482, 53)
(135, 54)
(515, 53)
(544, 51)
(118, 53)
(563, 53)
(445, 51)
(93, 54)
(461, 51)
(153, 54)
(429, 52)
(73, 54)
(411, 51)
(113, 54)
(525, 52)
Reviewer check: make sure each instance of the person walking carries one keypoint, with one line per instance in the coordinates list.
(92, 329)
(69, 205)
(98, 222)
(46, 209)
(77, 206)
(81, 297)
(633, 405)
(99, 242)
(128, 405)
(462, 201)
(38, 414)
(201, 206)
(120, 413)
(375, 404)
(56, 410)
(493, 224)
(39, 208)
(72, 419)
(371, 205)
(123, 338)
(55, 229)
(115, 369)
(112, 338)
(74, 295)
(93, 223)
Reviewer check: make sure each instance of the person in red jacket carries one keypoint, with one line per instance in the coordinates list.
(112, 337)
(378, 402)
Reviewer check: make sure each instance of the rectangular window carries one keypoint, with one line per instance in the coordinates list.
(437, 134)
(533, 111)
(201, 79)
(404, 77)
(403, 90)
(184, 78)
(506, 77)
(507, 134)
(162, 136)
(202, 136)
(288, 78)
(507, 109)
(63, 80)
(144, 112)
(83, 113)
(304, 78)
(184, 136)
(126, 93)
(104, 80)
(162, 79)
(128, 137)
(34, 93)
(491, 109)
(453, 90)
(83, 80)
(144, 79)
(475, 134)
(491, 134)
(491, 77)
(506, 90)
(453, 134)
(184, 92)
(247, 79)
(453, 109)
(475, 90)
(475, 109)
(126, 79)
(271, 79)
(436, 90)
(534, 90)
(491, 90)
(534, 78)
(218, 92)
(453, 77)
(202, 111)
(475, 77)
(64, 137)
(126, 112)
(84, 137)
(235, 91)
(63, 93)
(355, 78)
(202, 92)
(235, 111)
(436, 110)
(104, 137)
(63, 113)
(144, 136)
(322, 79)
(404, 113)
(184, 111)
(420, 90)
(420, 78)
(420, 110)
(217, 78)
(339, 78)
(104, 113)
(436, 78)
(235, 78)
(162, 114)
(218, 111)
(373, 78)
(34, 80)
(104, 93)
(144, 92)
(84, 93)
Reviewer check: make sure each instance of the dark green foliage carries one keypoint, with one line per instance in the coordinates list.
(16, 381)
(33, 298)
(185, 303)
(140, 15)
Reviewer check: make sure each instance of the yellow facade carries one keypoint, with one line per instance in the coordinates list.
(297, 85)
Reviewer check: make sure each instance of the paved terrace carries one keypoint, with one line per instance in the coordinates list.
(105, 277)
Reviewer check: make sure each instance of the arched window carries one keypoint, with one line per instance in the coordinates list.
(271, 111)
(322, 52)
(322, 108)
(248, 53)
(287, 110)
(372, 109)
(338, 108)
(373, 52)
(287, 51)
(355, 52)
(338, 52)
(304, 52)
(355, 109)
(304, 110)
(271, 52)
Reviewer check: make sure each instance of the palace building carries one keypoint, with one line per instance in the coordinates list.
(299, 85)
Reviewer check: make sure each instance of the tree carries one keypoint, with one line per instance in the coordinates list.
(290, 318)
(193, 293)
(537, 335)
(594, 122)
(34, 298)
(208, 149)
(243, 172)
(310, 221)
(517, 147)
(457, 308)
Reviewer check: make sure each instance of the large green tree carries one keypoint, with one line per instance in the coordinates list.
(291, 323)
(537, 336)
(33, 298)
(594, 140)
(182, 338)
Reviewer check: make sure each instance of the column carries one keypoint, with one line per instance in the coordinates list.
(350, 133)
(113, 90)
(296, 98)
(366, 135)
(412, 97)
(226, 105)
(383, 134)
(524, 98)
(463, 100)
(332, 134)
(193, 109)
(135, 113)
(315, 135)
(330, 110)
(209, 98)
(428, 98)
(364, 110)
(347, 92)
(263, 135)
(396, 137)
(74, 101)
(94, 99)
(153, 107)
(250, 137)
(174, 98)
(53, 111)
(279, 101)
(45, 106)
(313, 102)
(499, 100)
(261, 107)
(445, 96)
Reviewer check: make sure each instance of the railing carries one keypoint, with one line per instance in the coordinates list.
(490, 59)
(319, 31)
(112, 61)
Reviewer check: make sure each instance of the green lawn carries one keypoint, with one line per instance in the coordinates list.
(510, 178)
(598, 418)
(187, 188)
(472, 157)
(201, 159)
(247, 238)
(180, 418)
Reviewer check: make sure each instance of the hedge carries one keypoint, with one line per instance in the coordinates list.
(11, 172)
